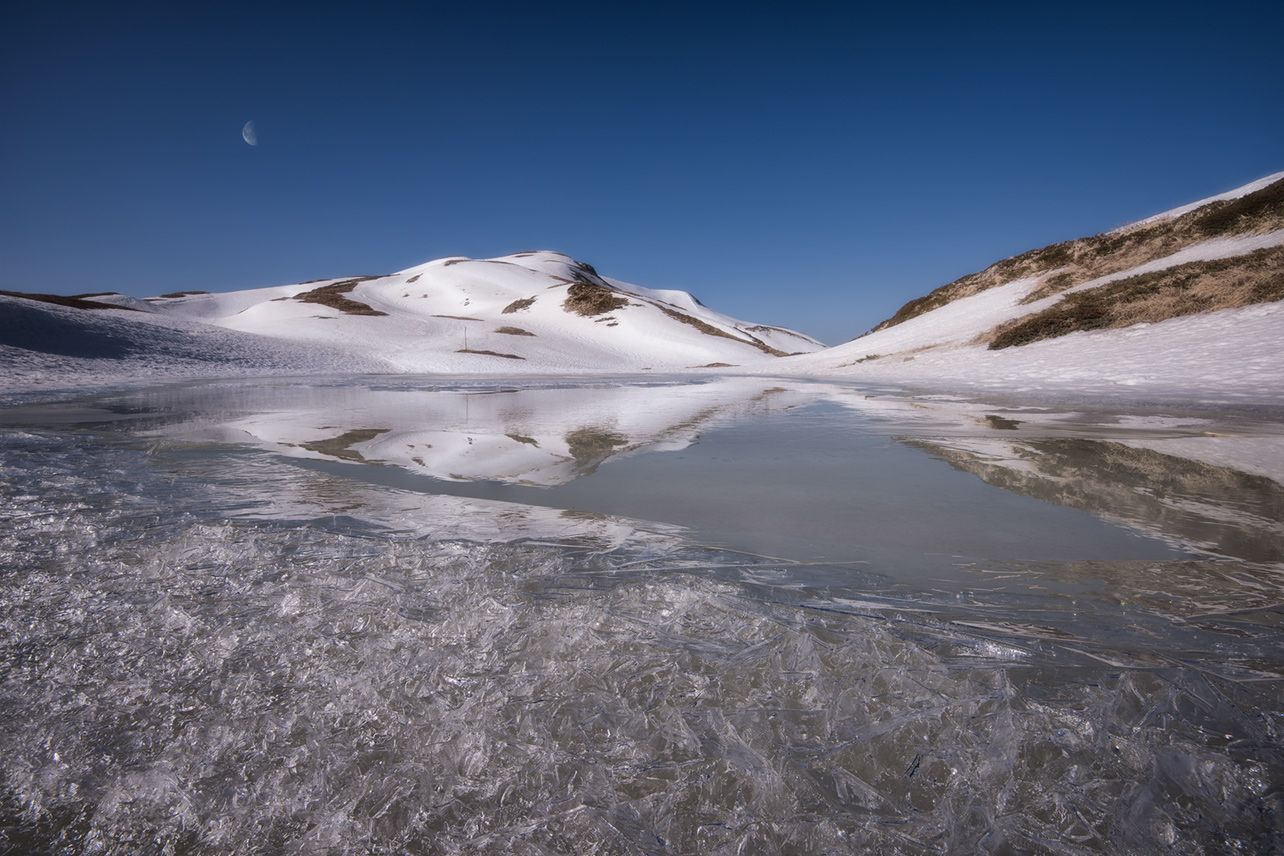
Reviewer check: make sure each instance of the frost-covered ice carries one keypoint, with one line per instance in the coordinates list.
(209, 646)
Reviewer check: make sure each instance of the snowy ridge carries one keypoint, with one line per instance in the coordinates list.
(1236, 351)
(967, 318)
(1237, 193)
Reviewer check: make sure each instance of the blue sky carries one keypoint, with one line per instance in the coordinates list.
(813, 165)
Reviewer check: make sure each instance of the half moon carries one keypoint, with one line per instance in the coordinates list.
(250, 135)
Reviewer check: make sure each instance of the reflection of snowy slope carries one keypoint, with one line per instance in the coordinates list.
(549, 435)
(1223, 489)
(288, 494)
(1116, 481)
(1245, 449)
(535, 436)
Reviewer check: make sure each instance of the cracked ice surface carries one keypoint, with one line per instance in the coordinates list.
(183, 672)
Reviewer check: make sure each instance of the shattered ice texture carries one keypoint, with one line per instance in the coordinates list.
(180, 679)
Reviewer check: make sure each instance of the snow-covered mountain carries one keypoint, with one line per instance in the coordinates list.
(538, 311)
(1186, 299)
(535, 312)
(1189, 299)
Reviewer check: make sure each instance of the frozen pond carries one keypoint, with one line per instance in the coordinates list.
(637, 616)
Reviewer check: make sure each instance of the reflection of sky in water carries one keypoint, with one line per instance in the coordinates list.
(243, 613)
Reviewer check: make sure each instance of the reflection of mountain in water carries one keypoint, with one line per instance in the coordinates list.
(819, 481)
(1213, 508)
(533, 436)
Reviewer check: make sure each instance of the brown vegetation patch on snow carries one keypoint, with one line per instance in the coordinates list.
(333, 296)
(865, 359)
(488, 353)
(1188, 289)
(589, 299)
(62, 300)
(172, 294)
(709, 329)
(518, 305)
(513, 331)
(1069, 263)
(768, 328)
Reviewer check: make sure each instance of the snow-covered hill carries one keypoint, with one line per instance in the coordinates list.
(1187, 299)
(46, 345)
(529, 312)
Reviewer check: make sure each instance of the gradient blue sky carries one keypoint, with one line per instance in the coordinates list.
(813, 165)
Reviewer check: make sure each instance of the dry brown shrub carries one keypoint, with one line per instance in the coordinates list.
(1187, 289)
(488, 353)
(709, 329)
(1070, 263)
(589, 299)
(333, 297)
(518, 305)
